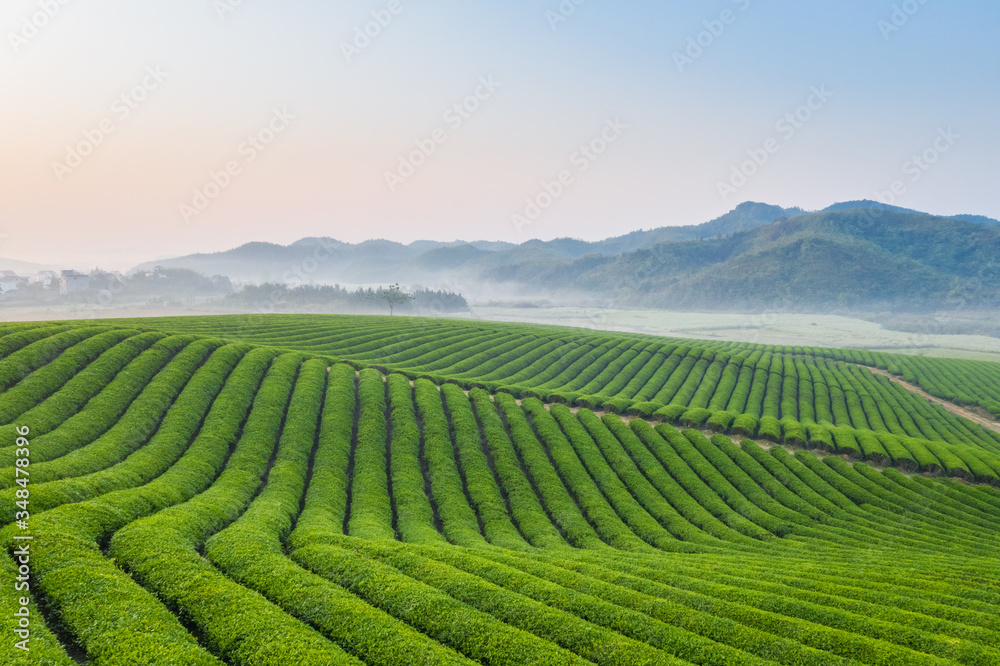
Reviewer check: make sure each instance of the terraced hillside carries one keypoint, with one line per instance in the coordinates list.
(825, 399)
(224, 499)
(567, 363)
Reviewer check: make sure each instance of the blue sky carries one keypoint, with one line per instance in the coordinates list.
(269, 121)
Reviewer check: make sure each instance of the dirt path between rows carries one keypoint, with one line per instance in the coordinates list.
(975, 417)
(950, 406)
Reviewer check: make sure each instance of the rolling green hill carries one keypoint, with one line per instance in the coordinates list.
(556, 363)
(373, 490)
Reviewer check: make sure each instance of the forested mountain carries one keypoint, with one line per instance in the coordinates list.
(868, 203)
(853, 258)
(856, 255)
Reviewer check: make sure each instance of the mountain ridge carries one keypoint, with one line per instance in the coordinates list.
(886, 257)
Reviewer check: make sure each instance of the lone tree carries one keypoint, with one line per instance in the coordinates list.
(393, 296)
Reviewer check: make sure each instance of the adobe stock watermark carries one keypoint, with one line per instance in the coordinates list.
(122, 107)
(32, 25)
(900, 16)
(699, 43)
(918, 165)
(562, 13)
(224, 8)
(455, 116)
(580, 162)
(248, 151)
(786, 128)
(301, 273)
(366, 34)
(968, 294)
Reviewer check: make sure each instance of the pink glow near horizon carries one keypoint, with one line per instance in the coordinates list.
(117, 117)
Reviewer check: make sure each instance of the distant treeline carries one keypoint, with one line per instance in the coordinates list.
(162, 282)
(103, 288)
(323, 297)
(181, 286)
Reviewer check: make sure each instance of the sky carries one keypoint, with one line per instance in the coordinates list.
(136, 131)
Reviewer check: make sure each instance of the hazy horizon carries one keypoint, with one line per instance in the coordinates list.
(165, 101)
(127, 265)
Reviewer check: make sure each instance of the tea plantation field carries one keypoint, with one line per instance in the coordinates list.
(372, 490)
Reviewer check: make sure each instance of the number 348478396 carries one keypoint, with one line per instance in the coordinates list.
(21, 464)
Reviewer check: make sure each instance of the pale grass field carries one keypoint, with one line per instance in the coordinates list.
(778, 329)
